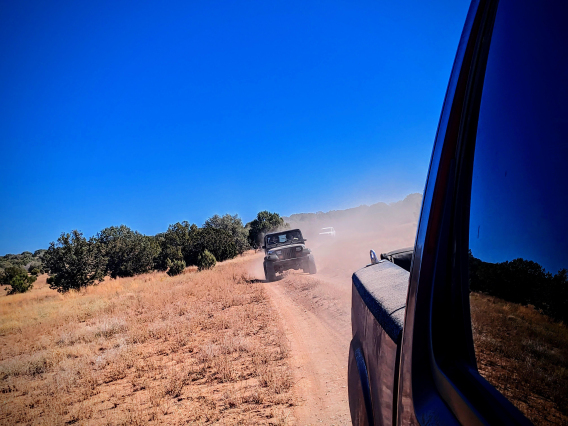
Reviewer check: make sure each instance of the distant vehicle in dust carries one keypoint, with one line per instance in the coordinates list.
(286, 250)
(328, 231)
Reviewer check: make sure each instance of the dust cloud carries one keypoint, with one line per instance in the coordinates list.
(316, 309)
(381, 227)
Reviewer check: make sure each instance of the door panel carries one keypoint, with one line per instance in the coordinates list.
(377, 312)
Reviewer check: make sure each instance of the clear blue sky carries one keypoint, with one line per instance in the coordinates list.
(149, 113)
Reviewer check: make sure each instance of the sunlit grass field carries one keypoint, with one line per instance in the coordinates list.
(199, 348)
(524, 354)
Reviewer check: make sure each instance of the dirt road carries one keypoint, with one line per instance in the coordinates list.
(315, 312)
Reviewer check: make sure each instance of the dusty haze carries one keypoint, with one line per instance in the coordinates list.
(381, 227)
(315, 310)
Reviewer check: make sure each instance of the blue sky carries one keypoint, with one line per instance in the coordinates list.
(149, 113)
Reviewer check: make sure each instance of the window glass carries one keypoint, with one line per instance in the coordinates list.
(288, 237)
(518, 235)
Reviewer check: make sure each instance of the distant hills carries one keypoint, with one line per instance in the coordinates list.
(360, 219)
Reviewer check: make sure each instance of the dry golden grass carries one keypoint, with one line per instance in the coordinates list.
(524, 354)
(199, 348)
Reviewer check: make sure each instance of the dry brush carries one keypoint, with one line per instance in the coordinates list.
(197, 348)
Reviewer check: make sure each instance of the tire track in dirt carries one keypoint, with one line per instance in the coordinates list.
(315, 315)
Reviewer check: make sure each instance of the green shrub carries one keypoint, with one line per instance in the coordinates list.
(18, 279)
(175, 244)
(218, 242)
(265, 222)
(234, 226)
(127, 252)
(176, 267)
(524, 282)
(25, 260)
(74, 262)
(205, 261)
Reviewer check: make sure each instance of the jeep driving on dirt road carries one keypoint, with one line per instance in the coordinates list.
(286, 250)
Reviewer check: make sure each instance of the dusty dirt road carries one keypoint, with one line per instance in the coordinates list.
(315, 311)
(315, 314)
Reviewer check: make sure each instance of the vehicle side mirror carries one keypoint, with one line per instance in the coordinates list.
(305, 239)
(263, 247)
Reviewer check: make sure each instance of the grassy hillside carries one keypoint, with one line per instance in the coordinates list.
(198, 347)
(524, 354)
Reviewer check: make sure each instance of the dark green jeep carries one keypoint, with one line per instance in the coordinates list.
(286, 250)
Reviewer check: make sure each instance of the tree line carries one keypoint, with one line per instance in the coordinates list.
(524, 282)
(20, 271)
(74, 261)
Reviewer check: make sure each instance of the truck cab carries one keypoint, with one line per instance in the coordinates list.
(469, 325)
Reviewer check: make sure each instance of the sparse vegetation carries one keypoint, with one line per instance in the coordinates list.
(218, 242)
(17, 279)
(127, 252)
(234, 226)
(519, 314)
(175, 244)
(176, 267)
(26, 260)
(192, 345)
(524, 354)
(205, 261)
(199, 348)
(522, 281)
(74, 262)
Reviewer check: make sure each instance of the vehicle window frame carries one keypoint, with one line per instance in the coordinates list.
(435, 399)
(453, 362)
